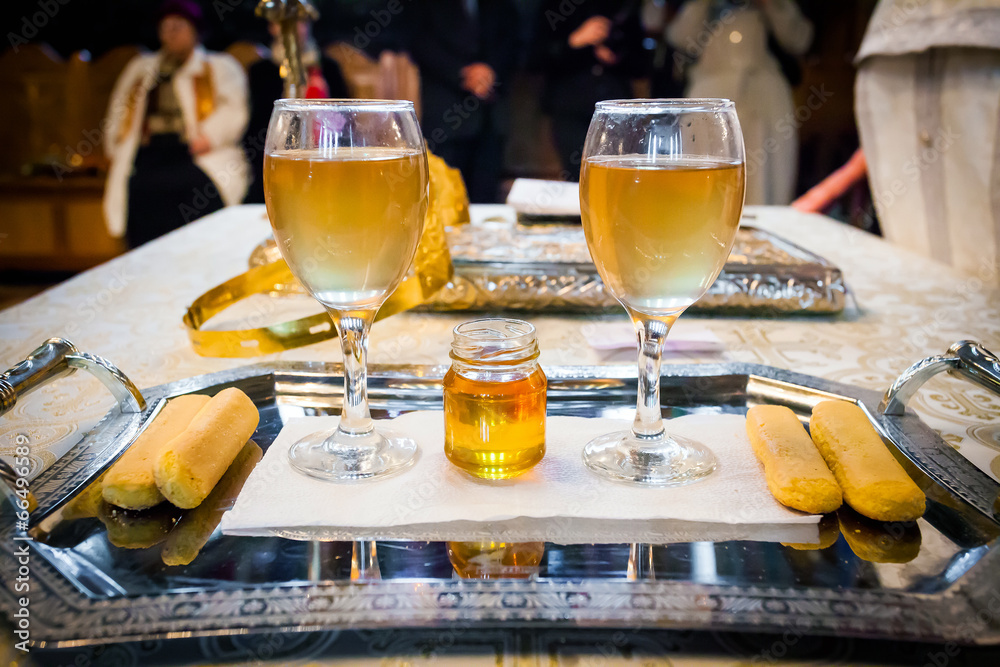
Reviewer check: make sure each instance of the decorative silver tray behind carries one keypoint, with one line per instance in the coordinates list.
(86, 591)
(535, 268)
(548, 267)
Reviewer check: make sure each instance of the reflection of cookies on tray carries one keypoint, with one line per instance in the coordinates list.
(189, 466)
(86, 504)
(829, 531)
(873, 482)
(137, 529)
(878, 541)
(796, 473)
(195, 528)
(129, 483)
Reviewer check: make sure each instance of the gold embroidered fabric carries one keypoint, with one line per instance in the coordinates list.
(204, 93)
(167, 115)
(163, 109)
(131, 102)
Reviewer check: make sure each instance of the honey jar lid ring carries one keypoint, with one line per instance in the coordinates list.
(494, 340)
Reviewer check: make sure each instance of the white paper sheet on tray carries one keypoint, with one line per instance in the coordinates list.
(539, 197)
(558, 501)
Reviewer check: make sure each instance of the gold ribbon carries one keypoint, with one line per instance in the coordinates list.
(430, 272)
(204, 93)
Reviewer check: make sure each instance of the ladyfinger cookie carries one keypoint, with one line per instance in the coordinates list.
(129, 483)
(873, 482)
(189, 466)
(794, 470)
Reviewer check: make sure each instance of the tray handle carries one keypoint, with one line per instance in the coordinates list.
(56, 358)
(53, 359)
(966, 358)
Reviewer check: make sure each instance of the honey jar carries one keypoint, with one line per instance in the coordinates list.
(494, 399)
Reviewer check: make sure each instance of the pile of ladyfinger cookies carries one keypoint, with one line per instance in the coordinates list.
(844, 460)
(173, 484)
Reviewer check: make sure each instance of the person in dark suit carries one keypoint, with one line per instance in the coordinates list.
(324, 79)
(466, 51)
(589, 54)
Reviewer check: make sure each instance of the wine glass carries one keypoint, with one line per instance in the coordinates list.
(346, 186)
(661, 192)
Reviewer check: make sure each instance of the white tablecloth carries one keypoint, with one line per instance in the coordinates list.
(129, 310)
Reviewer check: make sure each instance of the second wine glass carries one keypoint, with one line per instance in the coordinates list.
(661, 193)
(346, 187)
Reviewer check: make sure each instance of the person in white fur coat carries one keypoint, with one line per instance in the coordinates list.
(172, 133)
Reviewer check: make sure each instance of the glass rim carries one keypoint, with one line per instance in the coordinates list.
(343, 103)
(648, 105)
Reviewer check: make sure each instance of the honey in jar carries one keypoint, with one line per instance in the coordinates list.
(494, 399)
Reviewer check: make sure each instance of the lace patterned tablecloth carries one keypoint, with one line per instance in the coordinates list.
(904, 308)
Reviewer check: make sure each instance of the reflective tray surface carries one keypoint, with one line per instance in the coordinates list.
(935, 580)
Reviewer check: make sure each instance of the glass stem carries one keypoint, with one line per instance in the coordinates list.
(353, 327)
(651, 333)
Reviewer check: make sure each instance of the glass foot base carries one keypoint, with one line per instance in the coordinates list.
(666, 461)
(341, 457)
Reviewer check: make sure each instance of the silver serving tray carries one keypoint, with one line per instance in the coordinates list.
(548, 267)
(535, 268)
(86, 591)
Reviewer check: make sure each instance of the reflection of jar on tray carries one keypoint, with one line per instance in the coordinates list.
(496, 560)
(494, 399)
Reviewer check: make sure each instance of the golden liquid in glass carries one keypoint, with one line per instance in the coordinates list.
(496, 560)
(660, 229)
(494, 430)
(347, 220)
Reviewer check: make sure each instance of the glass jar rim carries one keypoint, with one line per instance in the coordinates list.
(494, 340)
(343, 104)
(666, 105)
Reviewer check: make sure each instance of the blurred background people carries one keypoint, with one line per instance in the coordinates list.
(738, 47)
(588, 54)
(173, 129)
(669, 67)
(928, 111)
(466, 51)
(78, 55)
(323, 80)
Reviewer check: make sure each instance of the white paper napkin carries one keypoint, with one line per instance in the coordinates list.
(559, 500)
(620, 335)
(539, 197)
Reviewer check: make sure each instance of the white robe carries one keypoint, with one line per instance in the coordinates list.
(928, 109)
(733, 61)
(225, 163)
